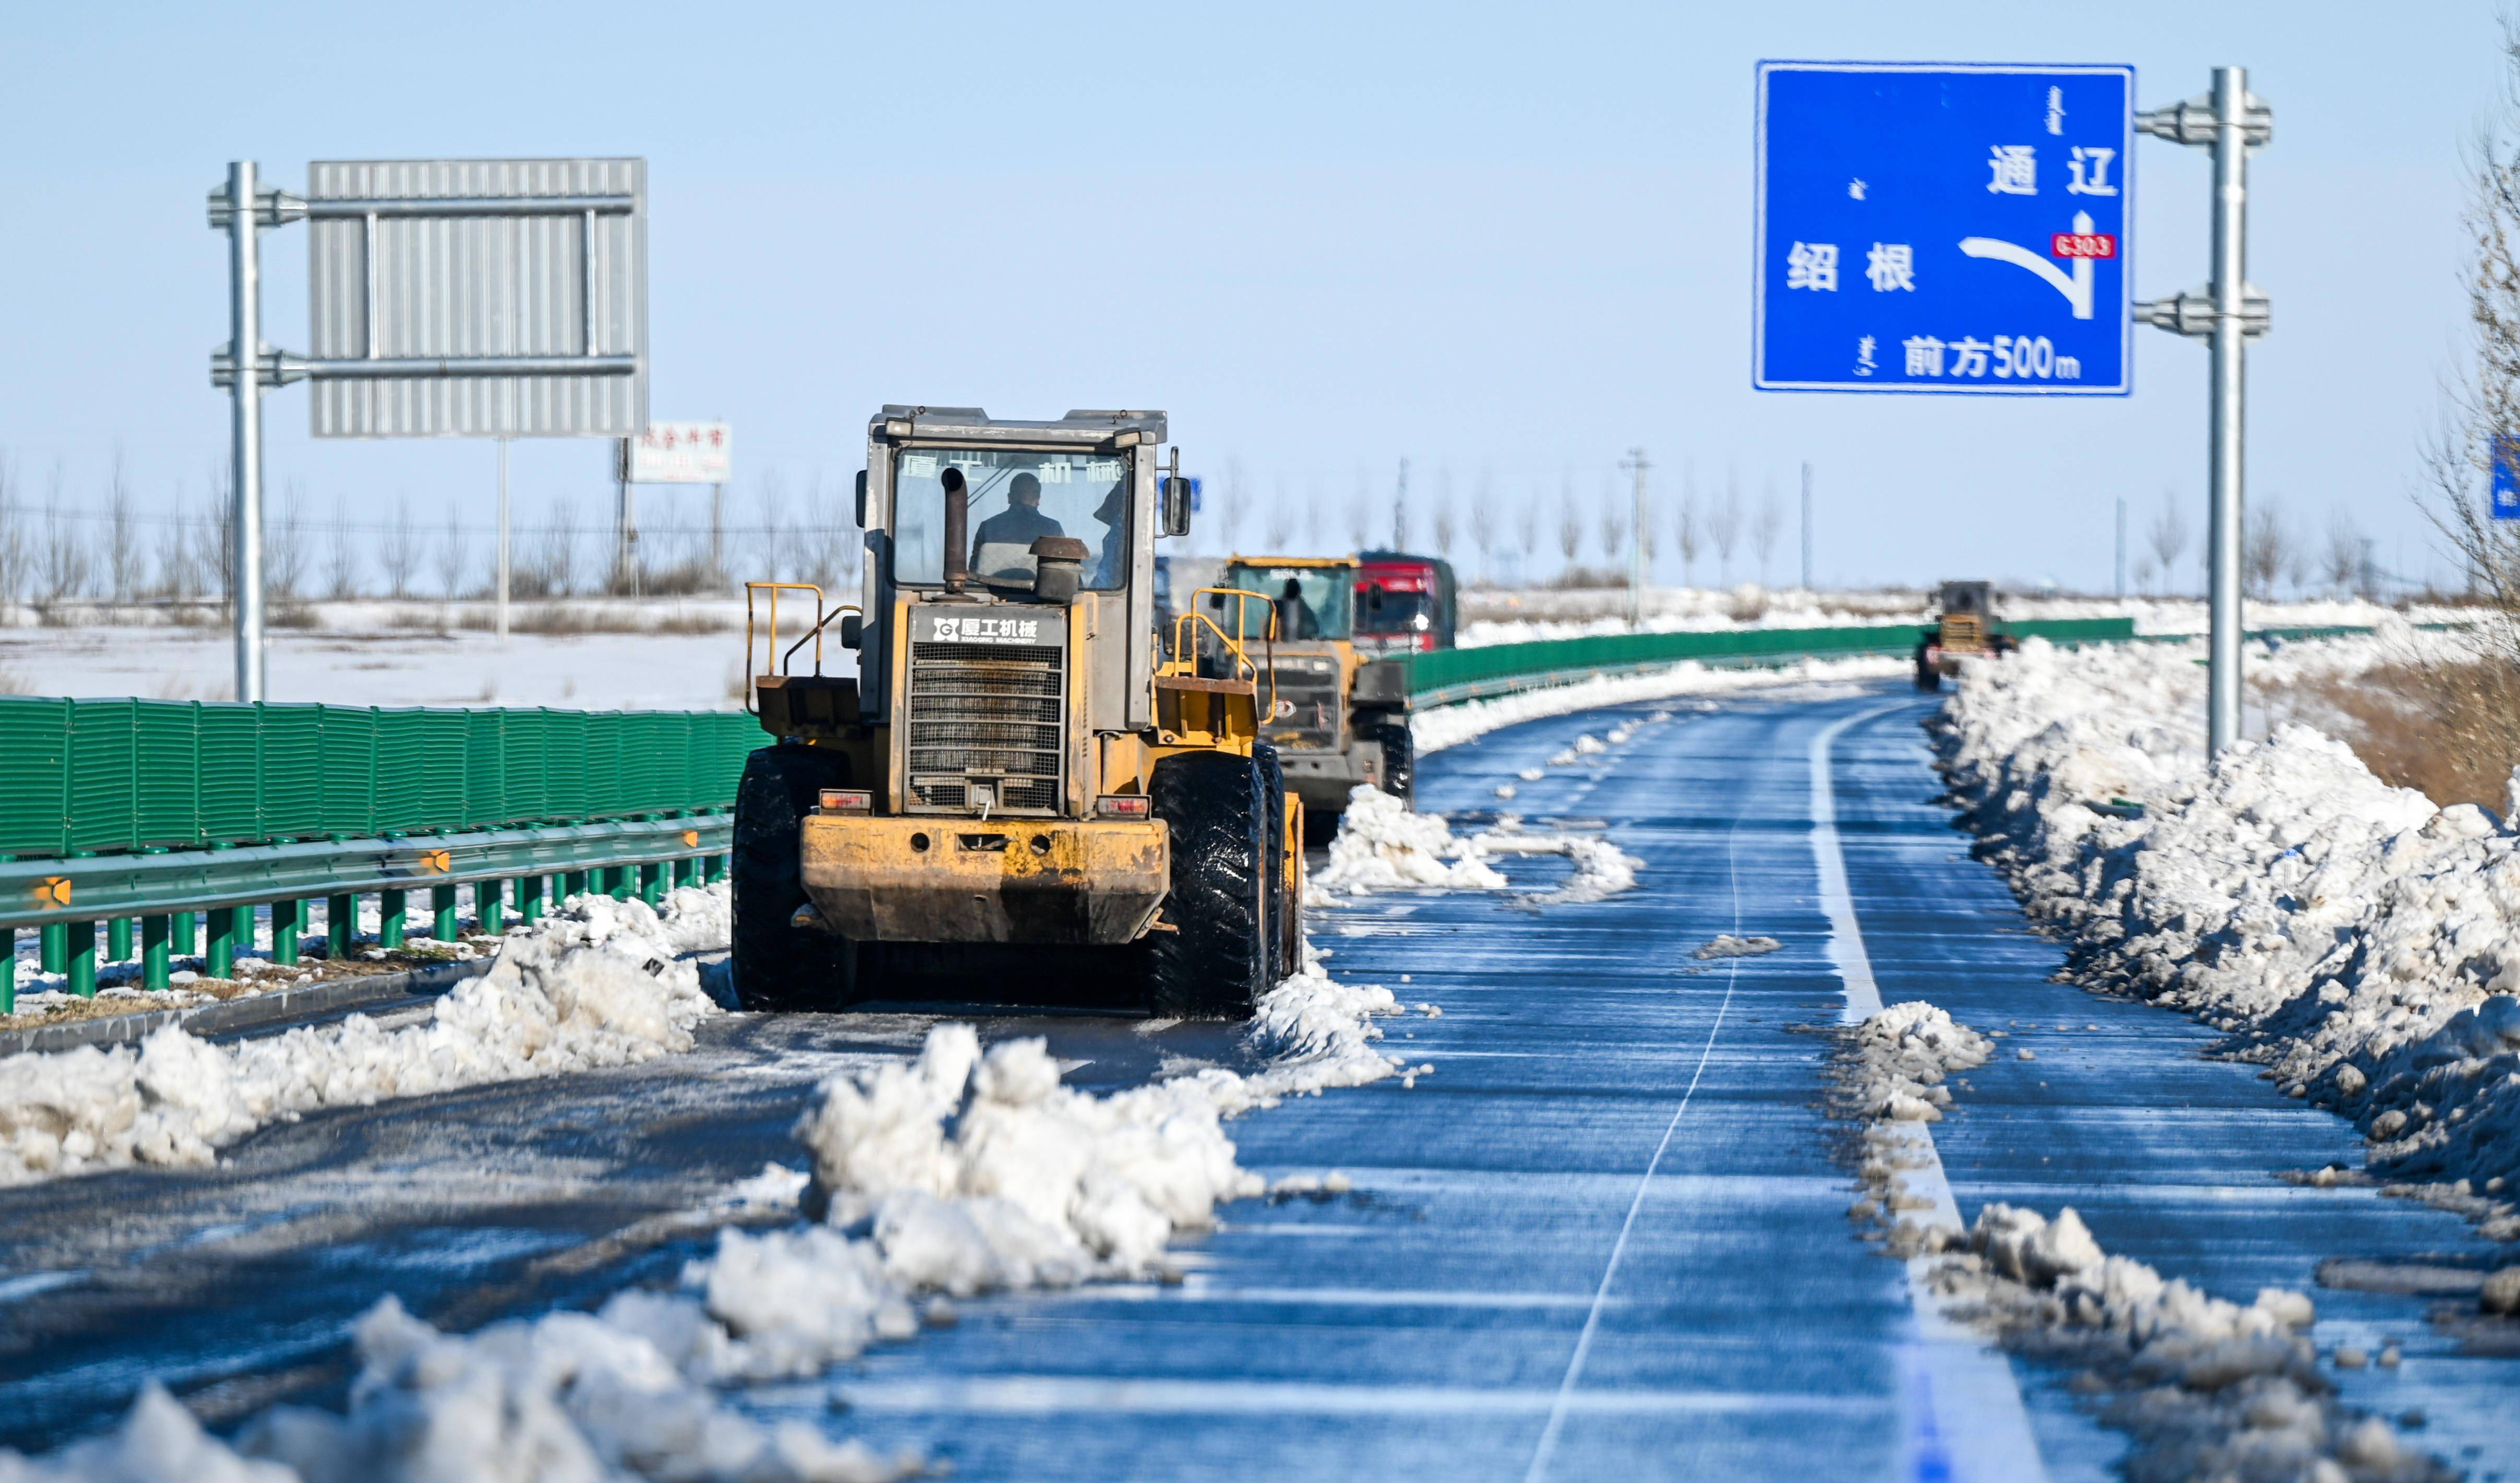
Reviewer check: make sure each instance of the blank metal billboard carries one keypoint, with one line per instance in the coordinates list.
(478, 297)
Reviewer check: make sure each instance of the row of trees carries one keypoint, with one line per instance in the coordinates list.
(80, 548)
(2276, 553)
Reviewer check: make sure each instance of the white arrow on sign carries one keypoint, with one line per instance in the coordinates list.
(2077, 287)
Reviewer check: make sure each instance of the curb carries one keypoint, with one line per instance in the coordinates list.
(254, 1012)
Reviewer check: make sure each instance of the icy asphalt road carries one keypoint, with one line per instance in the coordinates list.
(1507, 1292)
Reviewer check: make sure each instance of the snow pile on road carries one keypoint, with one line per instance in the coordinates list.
(1725, 945)
(2361, 944)
(2209, 1388)
(1382, 845)
(1901, 1056)
(1439, 727)
(598, 983)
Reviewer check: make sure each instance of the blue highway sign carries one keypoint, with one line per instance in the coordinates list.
(2507, 477)
(1944, 227)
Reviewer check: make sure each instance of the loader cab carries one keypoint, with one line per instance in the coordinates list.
(1337, 716)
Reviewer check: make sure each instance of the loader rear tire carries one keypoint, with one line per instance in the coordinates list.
(778, 965)
(1399, 761)
(1273, 814)
(1209, 956)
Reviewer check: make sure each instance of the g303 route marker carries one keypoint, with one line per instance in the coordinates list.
(1956, 228)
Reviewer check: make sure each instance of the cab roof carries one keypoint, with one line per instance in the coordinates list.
(1085, 428)
(1265, 560)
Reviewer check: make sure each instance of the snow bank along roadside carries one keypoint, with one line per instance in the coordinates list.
(2206, 1388)
(2360, 944)
(952, 1174)
(598, 983)
(1446, 726)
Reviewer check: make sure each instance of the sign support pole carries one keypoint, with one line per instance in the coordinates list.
(1807, 528)
(245, 316)
(503, 542)
(1637, 528)
(2228, 312)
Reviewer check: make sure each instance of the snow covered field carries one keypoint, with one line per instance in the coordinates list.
(2361, 944)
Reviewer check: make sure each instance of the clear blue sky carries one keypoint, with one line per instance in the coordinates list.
(1505, 242)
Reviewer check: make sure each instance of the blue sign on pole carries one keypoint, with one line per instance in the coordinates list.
(1944, 227)
(2507, 477)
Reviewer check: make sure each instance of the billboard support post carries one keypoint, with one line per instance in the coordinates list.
(243, 222)
(502, 541)
(2228, 312)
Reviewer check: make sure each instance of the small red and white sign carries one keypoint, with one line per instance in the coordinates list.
(683, 453)
(2071, 244)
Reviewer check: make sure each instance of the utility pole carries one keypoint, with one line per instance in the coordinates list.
(1400, 511)
(625, 530)
(502, 541)
(2122, 548)
(717, 531)
(1636, 464)
(2228, 312)
(1807, 527)
(242, 214)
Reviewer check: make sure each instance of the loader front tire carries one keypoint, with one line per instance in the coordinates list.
(778, 965)
(1207, 957)
(1399, 760)
(1273, 815)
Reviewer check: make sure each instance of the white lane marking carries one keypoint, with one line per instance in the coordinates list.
(1033, 1395)
(1966, 1420)
(1549, 1434)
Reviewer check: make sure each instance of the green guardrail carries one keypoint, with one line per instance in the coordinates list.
(1448, 675)
(151, 813)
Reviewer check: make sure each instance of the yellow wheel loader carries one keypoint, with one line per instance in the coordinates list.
(1340, 717)
(1965, 627)
(1023, 776)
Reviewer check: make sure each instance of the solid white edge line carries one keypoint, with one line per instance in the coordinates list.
(1964, 1415)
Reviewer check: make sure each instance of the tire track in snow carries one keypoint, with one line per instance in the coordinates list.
(1963, 1416)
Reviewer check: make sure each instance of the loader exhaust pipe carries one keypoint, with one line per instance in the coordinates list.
(957, 532)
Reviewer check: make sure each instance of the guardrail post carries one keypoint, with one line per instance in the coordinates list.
(441, 913)
(53, 947)
(180, 934)
(117, 940)
(82, 965)
(341, 925)
(389, 920)
(531, 894)
(486, 906)
(617, 882)
(716, 869)
(221, 961)
(572, 884)
(652, 884)
(8, 971)
(288, 924)
(154, 961)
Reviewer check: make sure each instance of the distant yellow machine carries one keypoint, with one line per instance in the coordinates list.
(1340, 717)
(1022, 760)
(1964, 628)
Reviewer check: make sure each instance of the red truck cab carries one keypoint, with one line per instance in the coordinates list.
(1405, 604)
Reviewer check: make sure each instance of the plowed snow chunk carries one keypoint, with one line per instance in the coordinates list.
(1725, 945)
(1382, 846)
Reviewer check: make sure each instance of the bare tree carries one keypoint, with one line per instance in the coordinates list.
(453, 559)
(1279, 520)
(775, 554)
(1614, 522)
(284, 565)
(1570, 526)
(1483, 522)
(2265, 548)
(2144, 572)
(2342, 564)
(15, 548)
(1447, 520)
(1316, 515)
(1235, 506)
(400, 553)
(341, 557)
(1724, 527)
(1527, 525)
(555, 572)
(2168, 534)
(1689, 530)
(68, 564)
(1360, 512)
(1764, 528)
(122, 554)
(217, 539)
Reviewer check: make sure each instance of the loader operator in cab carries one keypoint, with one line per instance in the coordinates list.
(1018, 526)
(1295, 618)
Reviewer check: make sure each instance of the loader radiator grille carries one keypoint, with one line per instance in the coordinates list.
(1308, 706)
(986, 715)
